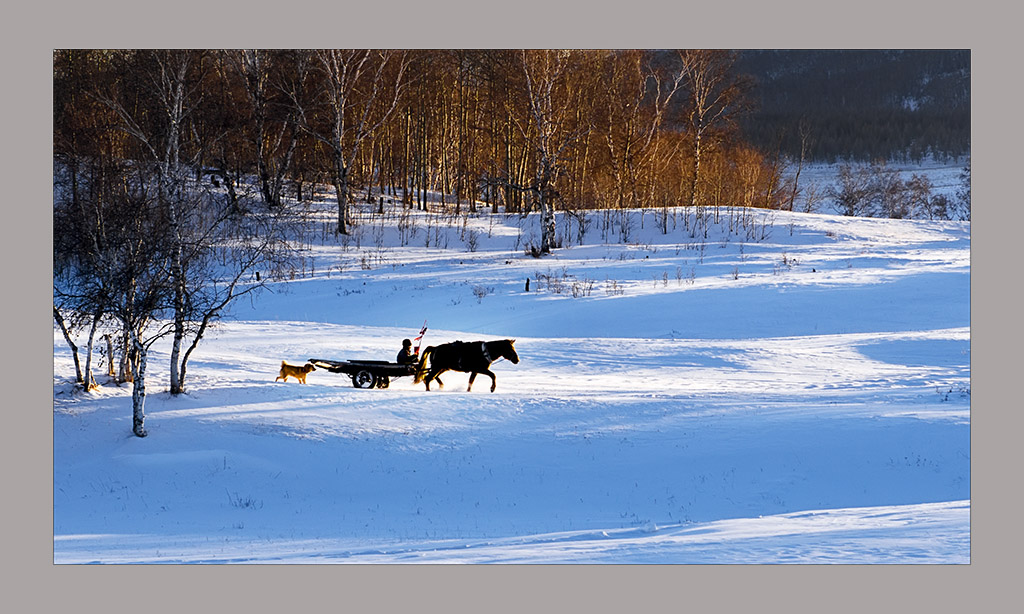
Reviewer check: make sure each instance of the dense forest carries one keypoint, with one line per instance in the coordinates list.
(860, 105)
(516, 129)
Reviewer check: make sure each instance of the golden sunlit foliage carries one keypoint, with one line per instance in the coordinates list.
(573, 129)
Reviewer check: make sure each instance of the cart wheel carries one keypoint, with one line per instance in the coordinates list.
(383, 381)
(364, 379)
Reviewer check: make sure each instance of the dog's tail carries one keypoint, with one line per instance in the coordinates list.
(421, 369)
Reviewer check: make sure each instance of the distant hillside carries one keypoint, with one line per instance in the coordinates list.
(861, 104)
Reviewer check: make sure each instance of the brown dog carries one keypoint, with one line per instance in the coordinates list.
(298, 373)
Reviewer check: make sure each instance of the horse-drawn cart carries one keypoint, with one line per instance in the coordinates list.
(366, 373)
(473, 358)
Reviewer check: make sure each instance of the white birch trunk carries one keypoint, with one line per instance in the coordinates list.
(139, 389)
(88, 383)
(71, 344)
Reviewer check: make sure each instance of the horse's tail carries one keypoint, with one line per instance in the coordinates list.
(421, 369)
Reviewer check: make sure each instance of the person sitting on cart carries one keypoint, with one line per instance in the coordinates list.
(406, 356)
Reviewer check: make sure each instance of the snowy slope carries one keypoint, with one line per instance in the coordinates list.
(801, 396)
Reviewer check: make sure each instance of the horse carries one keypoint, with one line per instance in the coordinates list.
(471, 357)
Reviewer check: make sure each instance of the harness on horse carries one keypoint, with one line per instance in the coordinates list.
(464, 362)
(461, 357)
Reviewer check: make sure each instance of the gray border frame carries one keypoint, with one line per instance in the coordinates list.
(988, 31)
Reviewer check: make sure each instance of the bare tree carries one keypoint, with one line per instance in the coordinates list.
(853, 192)
(805, 143)
(84, 173)
(67, 254)
(59, 319)
(170, 90)
(199, 229)
(119, 266)
(551, 100)
(221, 265)
(716, 96)
(918, 193)
(138, 273)
(878, 190)
(263, 76)
(889, 191)
(354, 93)
(636, 96)
(963, 194)
(81, 292)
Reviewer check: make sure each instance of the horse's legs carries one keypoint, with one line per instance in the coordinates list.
(494, 381)
(433, 375)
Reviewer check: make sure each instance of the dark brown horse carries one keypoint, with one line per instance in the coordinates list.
(471, 357)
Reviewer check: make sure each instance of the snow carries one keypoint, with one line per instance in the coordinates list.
(799, 398)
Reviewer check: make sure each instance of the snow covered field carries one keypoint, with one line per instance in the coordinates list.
(800, 396)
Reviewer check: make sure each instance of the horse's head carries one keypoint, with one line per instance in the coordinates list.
(508, 350)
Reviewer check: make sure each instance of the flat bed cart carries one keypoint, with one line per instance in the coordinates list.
(366, 373)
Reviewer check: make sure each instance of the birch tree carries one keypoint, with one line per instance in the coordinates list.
(120, 268)
(158, 93)
(154, 100)
(354, 93)
(715, 96)
(221, 267)
(83, 170)
(550, 100)
(138, 272)
(636, 99)
(270, 126)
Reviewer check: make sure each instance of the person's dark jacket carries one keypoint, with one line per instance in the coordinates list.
(406, 357)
